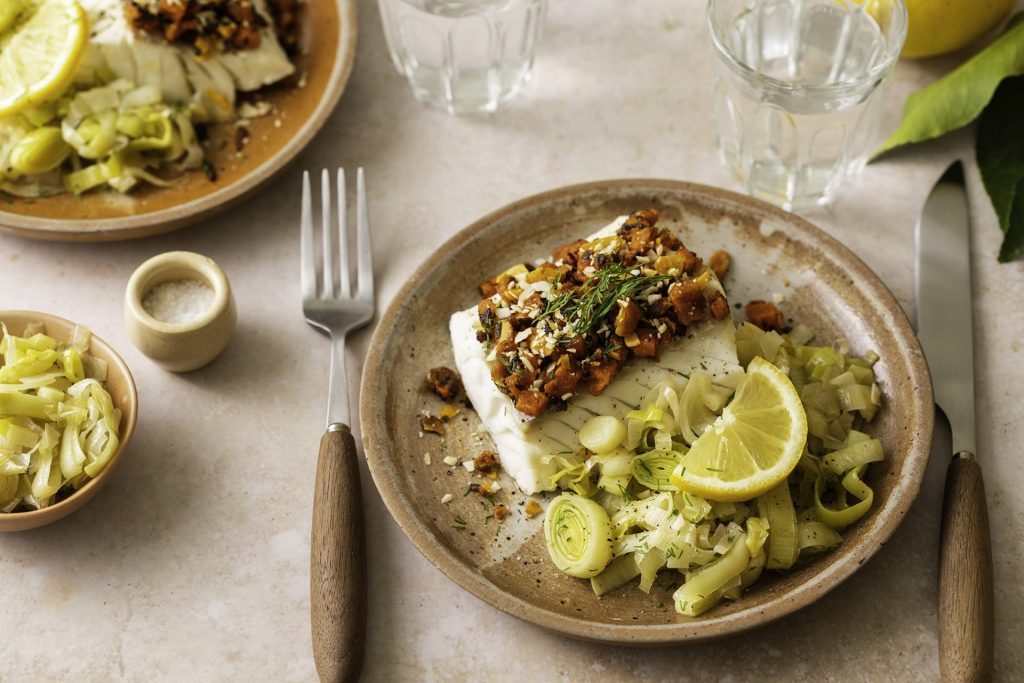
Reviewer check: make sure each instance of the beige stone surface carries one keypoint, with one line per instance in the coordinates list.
(193, 563)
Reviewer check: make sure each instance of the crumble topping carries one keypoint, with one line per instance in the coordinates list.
(212, 26)
(578, 316)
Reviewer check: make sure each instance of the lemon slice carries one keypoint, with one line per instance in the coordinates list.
(39, 53)
(753, 446)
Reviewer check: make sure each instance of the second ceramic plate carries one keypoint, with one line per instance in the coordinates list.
(824, 285)
(328, 39)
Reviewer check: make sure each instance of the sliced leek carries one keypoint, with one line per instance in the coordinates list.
(621, 571)
(654, 469)
(58, 424)
(816, 537)
(578, 534)
(844, 515)
(114, 135)
(777, 507)
(625, 520)
(602, 434)
(703, 587)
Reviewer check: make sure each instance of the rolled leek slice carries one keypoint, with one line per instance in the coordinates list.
(777, 507)
(654, 469)
(703, 587)
(578, 535)
(602, 434)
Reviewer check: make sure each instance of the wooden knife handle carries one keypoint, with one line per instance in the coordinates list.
(965, 577)
(337, 576)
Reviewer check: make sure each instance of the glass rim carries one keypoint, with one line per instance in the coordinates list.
(744, 69)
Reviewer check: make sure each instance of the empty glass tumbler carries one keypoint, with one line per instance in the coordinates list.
(798, 93)
(464, 56)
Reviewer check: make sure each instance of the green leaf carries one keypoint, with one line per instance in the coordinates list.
(959, 97)
(1013, 239)
(1000, 154)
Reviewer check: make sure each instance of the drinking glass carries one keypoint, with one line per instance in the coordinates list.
(464, 56)
(799, 90)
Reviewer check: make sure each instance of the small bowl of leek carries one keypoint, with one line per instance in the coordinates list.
(68, 407)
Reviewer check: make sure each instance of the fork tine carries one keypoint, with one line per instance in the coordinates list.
(346, 269)
(306, 259)
(328, 234)
(365, 250)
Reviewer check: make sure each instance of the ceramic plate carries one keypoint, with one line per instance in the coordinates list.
(825, 286)
(328, 40)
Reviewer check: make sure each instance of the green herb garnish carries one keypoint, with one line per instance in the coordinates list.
(585, 307)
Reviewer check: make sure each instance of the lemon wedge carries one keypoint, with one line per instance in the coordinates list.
(753, 446)
(39, 53)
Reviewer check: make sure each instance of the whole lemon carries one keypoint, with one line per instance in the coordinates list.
(939, 26)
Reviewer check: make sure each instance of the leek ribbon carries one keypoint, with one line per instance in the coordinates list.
(844, 515)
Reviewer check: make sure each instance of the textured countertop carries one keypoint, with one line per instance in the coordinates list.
(192, 564)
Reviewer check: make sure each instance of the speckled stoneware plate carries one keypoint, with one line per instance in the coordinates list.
(824, 285)
(328, 41)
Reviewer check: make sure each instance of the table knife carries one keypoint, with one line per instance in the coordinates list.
(945, 328)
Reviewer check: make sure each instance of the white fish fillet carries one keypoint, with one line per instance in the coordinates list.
(211, 83)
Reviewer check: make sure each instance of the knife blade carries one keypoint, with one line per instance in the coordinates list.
(945, 319)
(945, 325)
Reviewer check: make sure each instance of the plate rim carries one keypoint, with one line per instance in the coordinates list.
(647, 634)
(172, 218)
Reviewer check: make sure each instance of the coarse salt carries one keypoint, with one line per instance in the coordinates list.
(178, 301)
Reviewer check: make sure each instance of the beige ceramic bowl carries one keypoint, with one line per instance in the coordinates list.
(825, 286)
(122, 390)
(180, 347)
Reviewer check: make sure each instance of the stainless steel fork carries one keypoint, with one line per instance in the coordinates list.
(337, 563)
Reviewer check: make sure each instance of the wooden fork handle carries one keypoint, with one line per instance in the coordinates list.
(965, 577)
(337, 577)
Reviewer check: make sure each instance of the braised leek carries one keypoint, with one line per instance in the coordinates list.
(58, 424)
(625, 519)
(578, 535)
